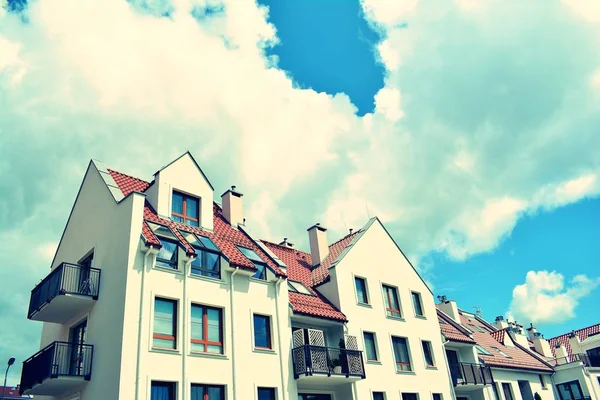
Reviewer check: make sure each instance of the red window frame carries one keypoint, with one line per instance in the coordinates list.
(205, 341)
(390, 291)
(172, 338)
(184, 215)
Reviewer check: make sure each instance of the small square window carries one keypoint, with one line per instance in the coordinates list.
(162, 390)
(436, 396)
(378, 396)
(370, 346)
(208, 392)
(410, 396)
(262, 331)
(418, 305)
(361, 290)
(266, 393)
(428, 353)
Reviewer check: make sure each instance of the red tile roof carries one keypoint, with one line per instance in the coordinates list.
(223, 235)
(451, 331)
(321, 272)
(299, 269)
(583, 334)
(520, 357)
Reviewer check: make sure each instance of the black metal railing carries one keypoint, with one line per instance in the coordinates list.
(57, 359)
(586, 359)
(309, 360)
(65, 279)
(468, 373)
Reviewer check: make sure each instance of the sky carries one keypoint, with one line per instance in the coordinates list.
(469, 128)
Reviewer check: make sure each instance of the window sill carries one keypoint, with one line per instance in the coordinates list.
(420, 317)
(366, 305)
(374, 362)
(395, 318)
(406, 372)
(165, 351)
(264, 351)
(165, 269)
(432, 367)
(264, 282)
(208, 355)
(207, 279)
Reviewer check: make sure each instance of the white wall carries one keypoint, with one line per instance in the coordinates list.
(513, 376)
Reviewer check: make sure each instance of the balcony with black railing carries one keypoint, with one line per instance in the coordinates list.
(586, 359)
(326, 362)
(470, 374)
(67, 291)
(57, 368)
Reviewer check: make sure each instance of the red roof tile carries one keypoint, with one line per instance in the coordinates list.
(450, 331)
(224, 236)
(520, 358)
(321, 272)
(499, 335)
(583, 334)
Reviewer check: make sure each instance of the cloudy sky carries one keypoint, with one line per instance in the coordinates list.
(470, 128)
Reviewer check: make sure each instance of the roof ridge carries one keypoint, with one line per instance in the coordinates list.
(575, 330)
(345, 237)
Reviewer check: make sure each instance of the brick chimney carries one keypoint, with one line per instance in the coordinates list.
(450, 308)
(232, 204)
(318, 243)
(500, 323)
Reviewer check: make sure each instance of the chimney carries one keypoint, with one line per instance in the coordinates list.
(541, 345)
(561, 354)
(318, 243)
(232, 207)
(531, 332)
(449, 308)
(575, 343)
(500, 323)
(516, 334)
(285, 243)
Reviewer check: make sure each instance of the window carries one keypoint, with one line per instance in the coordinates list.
(496, 391)
(370, 346)
(167, 255)
(266, 394)
(262, 331)
(428, 353)
(416, 298)
(208, 392)
(507, 391)
(436, 396)
(207, 329)
(259, 264)
(378, 396)
(478, 329)
(162, 390)
(361, 290)
(392, 305)
(208, 256)
(569, 390)
(482, 351)
(297, 287)
(165, 323)
(185, 209)
(501, 352)
(401, 354)
(410, 396)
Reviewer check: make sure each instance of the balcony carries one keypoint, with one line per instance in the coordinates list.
(470, 374)
(319, 363)
(67, 291)
(586, 359)
(56, 369)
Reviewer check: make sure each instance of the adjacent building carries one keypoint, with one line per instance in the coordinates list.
(158, 292)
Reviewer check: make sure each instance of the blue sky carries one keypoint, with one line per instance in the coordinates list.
(469, 128)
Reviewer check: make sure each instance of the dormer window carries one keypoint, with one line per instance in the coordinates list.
(167, 255)
(208, 256)
(185, 209)
(259, 264)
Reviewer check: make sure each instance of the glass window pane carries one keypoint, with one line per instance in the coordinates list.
(191, 207)
(208, 243)
(162, 391)
(167, 255)
(177, 203)
(250, 254)
(427, 353)
(378, 396)
(261, 331)
(215, 349)
(417, 303)
(163, 343)
(370, 348)
(266, 394)
(191, 223)
(216, 393)
(260, 271)
(361, 290)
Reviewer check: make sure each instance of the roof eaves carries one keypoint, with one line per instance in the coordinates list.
(534, 355)
(354, 240)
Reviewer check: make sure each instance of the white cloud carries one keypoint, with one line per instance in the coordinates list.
(545, 299)
(12, 67)
(388, 103)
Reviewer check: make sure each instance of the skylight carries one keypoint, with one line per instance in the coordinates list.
(478, 329)
(501, 352)
(298, 287)
(199, 241)
(161, 230)
(482, 351)
(250, 254)
(259, 264)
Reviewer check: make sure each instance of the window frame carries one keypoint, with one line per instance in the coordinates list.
(204, 341)
(260, 274)
(365, 290)
(269, 332)
(199, 252)
(387, 301)
(482, 350)
(440, 396)
(429, 345)
(500, 352)
(378, 393)
(409, 393)
(184, 216)
(505, 386)
(400, 363)
(205, 386)
(420, 301)
(174, 322)
(174, 265)
(374, 336)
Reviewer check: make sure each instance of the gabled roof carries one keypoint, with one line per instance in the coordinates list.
(583, 334)
(520, 358)
(451, 330)
(224, 236)
(187, 153)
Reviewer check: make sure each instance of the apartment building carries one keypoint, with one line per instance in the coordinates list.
(157, 292)
(494, 361)
(577, 363)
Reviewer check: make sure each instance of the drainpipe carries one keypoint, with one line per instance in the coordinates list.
(281, 366)
(151, 251)
(184, 336)
(233, 360)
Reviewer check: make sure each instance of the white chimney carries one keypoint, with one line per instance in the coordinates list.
(531, 332)
(449, 308)
(516, 334)
(500, 323)
(542, 346)
(561, 354)
(575, 344)
(233, 207)
(318, 243)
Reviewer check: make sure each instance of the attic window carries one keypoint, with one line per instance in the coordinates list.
(482, 351)
(208, 256)
(501, 352)
(185, 209)
(298, 288)
(478, 329)
(259, 264)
